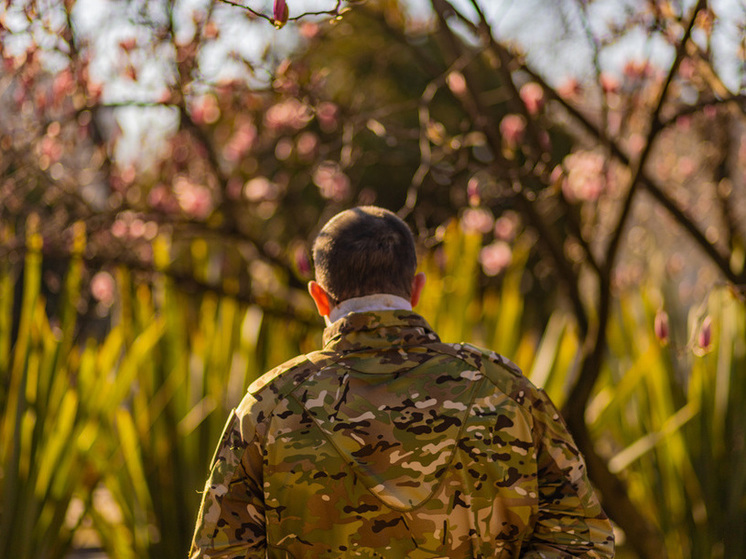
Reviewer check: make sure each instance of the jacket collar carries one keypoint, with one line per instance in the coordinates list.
(380, 329)
(376, 302)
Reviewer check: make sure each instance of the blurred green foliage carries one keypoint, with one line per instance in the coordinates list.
(108, 442)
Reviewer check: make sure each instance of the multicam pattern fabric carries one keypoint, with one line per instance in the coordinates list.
(389, 443)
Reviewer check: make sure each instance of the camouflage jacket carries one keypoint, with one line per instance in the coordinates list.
(390, 443)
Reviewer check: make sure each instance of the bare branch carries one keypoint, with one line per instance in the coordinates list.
(569, 278)
(686, 221)
(423, 112)
(470, 100)
(536, 151)
(249, 9)
(503, 167)
(738, 100)
(336, 11)
(184, 281)
(655, 128)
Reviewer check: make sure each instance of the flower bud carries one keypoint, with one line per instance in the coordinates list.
(661, 327)
(532, 95)
(704, 338)
(512, 128)
(302, 262)
(281, 13)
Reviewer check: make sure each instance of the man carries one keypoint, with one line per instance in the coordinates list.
(389, 442)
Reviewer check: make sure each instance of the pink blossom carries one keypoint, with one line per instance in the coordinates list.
(137, 228)
(512, 128)
(710, 111)
(62, 85)
(95, 91)
(506, 226)
(287, 114)
(210, 30)
(234, 188)
(687, 166)
(687, 68)
(456, 83)
(40, 101)
(635, 143)
(495, 257)
(128, 44)
(283, 149)
(306, 144)
(570, 89)
(159, 197)
(636, 69)
(9, 63)
(472, 191)
(532, 95)
(121, 178)
(609, 83)
(684, 122)
(51, 148)
(557, 176)
(333, 183)
(103, 288)
(477, 220)
(309, 30)
(327, 115)
(165, 97)
(586, 176)
(241, 142)
(194, 199)
(205, 110)
(119, 229)
(259, 189)
(151, 230)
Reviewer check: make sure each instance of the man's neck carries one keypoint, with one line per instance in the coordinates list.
(377, 302)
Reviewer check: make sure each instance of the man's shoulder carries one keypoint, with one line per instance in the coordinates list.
(501, 372)
(484, 358)
(267, 391)
(288, 375)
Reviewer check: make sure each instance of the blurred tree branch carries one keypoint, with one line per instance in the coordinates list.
(682, 217)
(504, 168)
(655, 128)
(184, 281)
(336, 11)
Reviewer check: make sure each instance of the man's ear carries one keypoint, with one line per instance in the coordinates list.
(418, 283)
(320, 297)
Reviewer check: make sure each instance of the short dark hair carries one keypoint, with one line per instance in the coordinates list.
(363, 251)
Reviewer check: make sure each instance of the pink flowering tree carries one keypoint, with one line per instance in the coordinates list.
(130, 126)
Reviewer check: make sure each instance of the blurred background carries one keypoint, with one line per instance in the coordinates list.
(574, 172)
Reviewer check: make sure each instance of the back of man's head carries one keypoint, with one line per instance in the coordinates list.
(364, 251)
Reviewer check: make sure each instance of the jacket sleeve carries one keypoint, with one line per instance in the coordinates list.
(570, 521)
(230, 523)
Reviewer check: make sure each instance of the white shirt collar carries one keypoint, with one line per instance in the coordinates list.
(377, 302)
